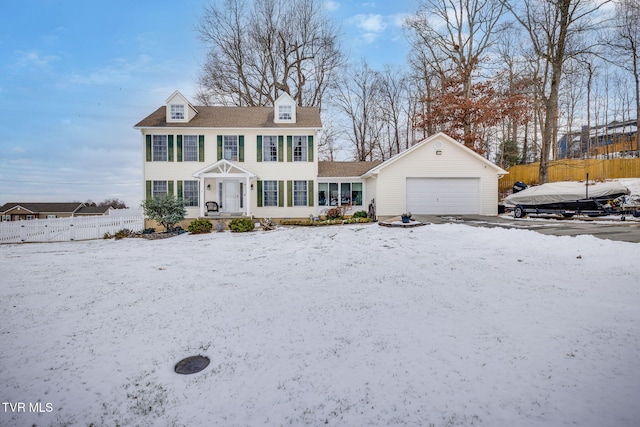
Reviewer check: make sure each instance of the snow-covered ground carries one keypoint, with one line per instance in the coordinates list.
(441, 325)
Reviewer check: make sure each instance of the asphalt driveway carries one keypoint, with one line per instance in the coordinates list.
(611, 228)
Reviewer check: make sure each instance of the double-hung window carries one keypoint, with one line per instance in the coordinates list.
(300, 193)
(190, 193)
(299, 148)
(160, 188)
(160, 150)
(190, 148)
(284, 112)
(343, 193)
(269, 148)
(177, 112)
(270, 193)
(230, 147)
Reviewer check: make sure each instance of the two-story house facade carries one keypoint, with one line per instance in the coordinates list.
(251, 161)
(263, 162)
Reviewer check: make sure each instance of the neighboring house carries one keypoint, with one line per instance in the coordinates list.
(616, 139)
(25, 211)
(263, 162)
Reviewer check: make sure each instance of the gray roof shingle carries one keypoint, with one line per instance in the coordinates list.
(44, 207)
(344, 169)
(235, 117)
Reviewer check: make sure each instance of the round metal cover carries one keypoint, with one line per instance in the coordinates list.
(191, 365)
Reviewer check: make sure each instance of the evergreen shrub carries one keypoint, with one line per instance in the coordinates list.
(240, 225)
(200, 226)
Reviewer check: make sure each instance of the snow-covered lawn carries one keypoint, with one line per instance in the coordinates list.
(442, 325)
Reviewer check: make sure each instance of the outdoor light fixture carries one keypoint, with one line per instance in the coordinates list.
(208, 186)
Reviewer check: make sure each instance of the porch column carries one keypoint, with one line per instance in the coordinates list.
(248, 187)
(202, 200)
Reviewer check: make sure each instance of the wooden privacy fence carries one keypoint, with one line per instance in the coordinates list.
(66, 229)
(572, 170)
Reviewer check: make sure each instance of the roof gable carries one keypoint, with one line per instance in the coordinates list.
(280, 115)
(178, 100)
(439, 141)
(222, 168)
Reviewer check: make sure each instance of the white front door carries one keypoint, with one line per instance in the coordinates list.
(231, 196)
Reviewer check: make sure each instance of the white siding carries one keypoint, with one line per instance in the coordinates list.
(454, 161)
(284, 171)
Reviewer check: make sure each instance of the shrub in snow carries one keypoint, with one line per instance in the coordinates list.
(200, 226)
(335, 213)
(167, 210)
(241, 224)
(359, 214)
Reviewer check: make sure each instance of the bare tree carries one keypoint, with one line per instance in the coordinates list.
(261, 49)
(455, 35)
(357, 98)
(392, 98)
(328, 146)
(625, 43)
(555, 28)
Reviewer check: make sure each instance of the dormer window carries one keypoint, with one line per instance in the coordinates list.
(284, 112)
(177, 112)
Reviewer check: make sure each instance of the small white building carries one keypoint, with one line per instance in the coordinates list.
(438, 175)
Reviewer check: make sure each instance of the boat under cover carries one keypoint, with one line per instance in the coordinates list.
(564, 194)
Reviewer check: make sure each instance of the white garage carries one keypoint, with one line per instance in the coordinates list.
(437, 176)
(433, 196)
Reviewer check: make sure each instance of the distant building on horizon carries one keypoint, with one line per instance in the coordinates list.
(19, 211)
(616, 139)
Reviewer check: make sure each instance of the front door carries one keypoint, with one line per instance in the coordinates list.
(231, 196)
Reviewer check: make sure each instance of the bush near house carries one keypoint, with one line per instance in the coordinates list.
(240, 225)
(167, 210)
(200, 226)
(335, 213)
(360, 214)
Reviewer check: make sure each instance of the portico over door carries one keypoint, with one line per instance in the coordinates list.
(233, 184)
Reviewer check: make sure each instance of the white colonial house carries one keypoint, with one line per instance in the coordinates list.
(263, 162)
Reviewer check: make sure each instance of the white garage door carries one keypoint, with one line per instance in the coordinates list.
(436, 196)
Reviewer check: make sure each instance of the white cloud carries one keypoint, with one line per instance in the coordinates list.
(398, 19)
(34, 58)
(118, 71)
(369, 22)
(332, 5)
(370, 37)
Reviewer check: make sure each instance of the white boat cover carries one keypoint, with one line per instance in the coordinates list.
(569, 191)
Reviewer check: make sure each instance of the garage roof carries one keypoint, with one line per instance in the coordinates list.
(430, 139)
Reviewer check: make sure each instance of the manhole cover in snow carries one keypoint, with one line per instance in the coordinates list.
(191, 365)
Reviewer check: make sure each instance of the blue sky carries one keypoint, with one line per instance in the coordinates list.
(75, 77)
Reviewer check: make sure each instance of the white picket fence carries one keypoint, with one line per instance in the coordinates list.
(66, 229)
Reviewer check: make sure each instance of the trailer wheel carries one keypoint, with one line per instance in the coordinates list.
(519, 212)
(636, 214)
